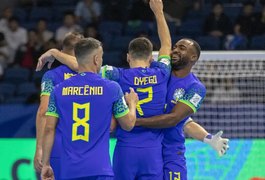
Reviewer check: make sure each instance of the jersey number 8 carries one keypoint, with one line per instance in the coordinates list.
(83, 122)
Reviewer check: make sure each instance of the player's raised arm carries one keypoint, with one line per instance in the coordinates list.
(162, 27)
(54, 54)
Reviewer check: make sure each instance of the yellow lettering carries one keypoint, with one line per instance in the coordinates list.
(100, 90)
(86, 90)
(75, 90)
(64, 91)
(70, 90)
(136, 81)
(81, 91)
(145, 80)
(68, 75)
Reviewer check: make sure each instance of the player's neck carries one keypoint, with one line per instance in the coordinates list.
(87, 68)
(182, 72)
(139, 63)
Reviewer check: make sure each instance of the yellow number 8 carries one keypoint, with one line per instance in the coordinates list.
(81, 121)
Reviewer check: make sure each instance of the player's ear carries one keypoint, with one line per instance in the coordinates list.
(194, 58)
(128, 58)
(96, 60)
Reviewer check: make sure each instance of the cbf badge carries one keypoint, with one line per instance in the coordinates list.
(178, 94)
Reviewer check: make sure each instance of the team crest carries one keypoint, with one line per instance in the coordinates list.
(178, 94)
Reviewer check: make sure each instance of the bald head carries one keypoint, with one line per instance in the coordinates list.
(185, 53)
(194, 46)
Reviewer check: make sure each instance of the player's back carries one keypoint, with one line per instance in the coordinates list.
(84, 105)
(190, 91)
(49, 80)
(151, 86)
(59, 74)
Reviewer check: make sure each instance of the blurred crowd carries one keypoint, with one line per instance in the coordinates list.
(33, 26)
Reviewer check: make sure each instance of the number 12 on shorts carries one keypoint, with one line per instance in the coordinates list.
(175, 175)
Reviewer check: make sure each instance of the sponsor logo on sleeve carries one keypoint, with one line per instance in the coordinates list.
(165, 61)
(109, 68)
(124, 102)
(195, 100)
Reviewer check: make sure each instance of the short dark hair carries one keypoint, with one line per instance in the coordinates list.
(85, 47)
(71, 39)
(140, 47)
(196, 46)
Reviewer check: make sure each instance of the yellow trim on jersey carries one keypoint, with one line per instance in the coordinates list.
(122, 114)
(103, 74)
(189, 104)
(45, 94)
(52, 114)
(163, 56)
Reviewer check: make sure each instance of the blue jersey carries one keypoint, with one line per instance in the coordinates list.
(151, 86)
(84, 105)
(190, 91)
(49, 80)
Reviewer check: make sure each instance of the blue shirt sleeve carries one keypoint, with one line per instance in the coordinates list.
(110, 72)
(52, 109)
(194, 96)
(163, 63)
(47, 84)
(120, 107)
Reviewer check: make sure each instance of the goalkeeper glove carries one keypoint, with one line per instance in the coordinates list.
(219, 144)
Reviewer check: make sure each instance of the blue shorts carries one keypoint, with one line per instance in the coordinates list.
(175, 169)
(55, 164)
(93, 178)
(130, 163)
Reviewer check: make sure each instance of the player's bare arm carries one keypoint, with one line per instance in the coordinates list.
(127, 122)
(54, 54)
(162, 27)
(194, 130)
(40, 124)
(179, 112)
(113, 124)
(48, 138)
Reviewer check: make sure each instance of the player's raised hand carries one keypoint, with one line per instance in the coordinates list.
(219, 144)
(47, 173)
(131, 97)
(156, 5)
(37, 160)
(47, 57)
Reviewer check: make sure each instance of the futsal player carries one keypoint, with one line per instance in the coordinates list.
(49, 80)
(138, 154)
(84, 105)
(143, 145)
(184, 97)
